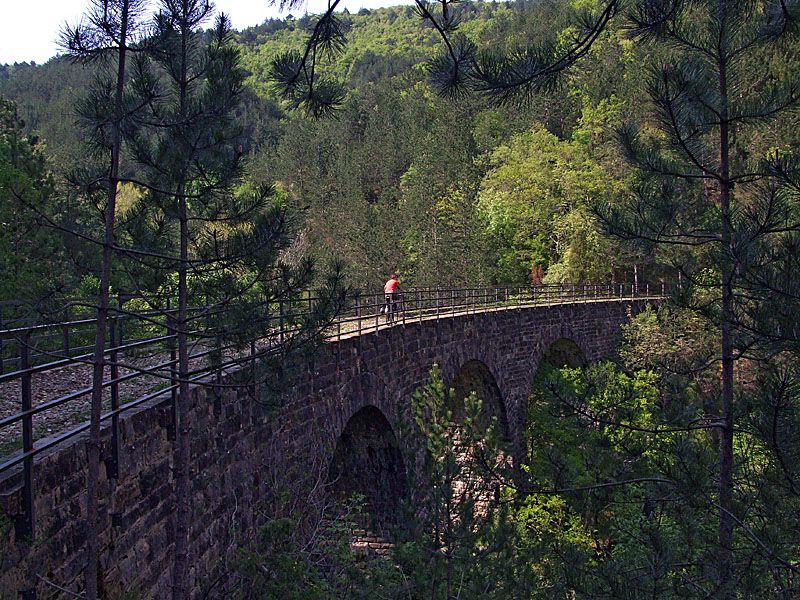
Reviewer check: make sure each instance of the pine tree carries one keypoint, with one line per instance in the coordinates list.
(211, 238)
(191, 162)
(29, 253)
(700, 189)
(111, 30)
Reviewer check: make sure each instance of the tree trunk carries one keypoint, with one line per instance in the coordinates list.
(726, 585)
(98, 358)
(182, 430)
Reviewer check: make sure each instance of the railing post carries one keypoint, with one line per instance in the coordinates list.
(662, 288)
(173, 373)
(65, 331)
(218, 355)
(25, 526)
(358, 312)
(253, 368)
(112, 467)
(2, 342)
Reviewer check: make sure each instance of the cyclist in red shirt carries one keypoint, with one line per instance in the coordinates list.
(390, 291)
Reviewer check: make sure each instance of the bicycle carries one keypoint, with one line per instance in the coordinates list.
(392, 306)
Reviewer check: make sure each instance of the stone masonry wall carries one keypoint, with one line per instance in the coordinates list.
(242, 449)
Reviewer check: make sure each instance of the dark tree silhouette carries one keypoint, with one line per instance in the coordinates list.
(111, 28)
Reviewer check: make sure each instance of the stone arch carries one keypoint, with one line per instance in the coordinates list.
(367, 461)
(564, 352)
(475, 376)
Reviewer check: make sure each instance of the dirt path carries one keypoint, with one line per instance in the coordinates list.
(57, 383)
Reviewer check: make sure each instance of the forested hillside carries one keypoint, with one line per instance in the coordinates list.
(532, 142)
(444, 192)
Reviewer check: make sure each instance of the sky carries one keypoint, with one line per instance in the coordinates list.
(29, 28)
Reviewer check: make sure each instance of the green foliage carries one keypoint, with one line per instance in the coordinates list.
(460, 536)
(623, 477)
(281, 563)
(620, 493)
(276, 566)
(5, 524)
(46, 96)
(32, 257)
(534, 202)
(626, 482)
(394, 182)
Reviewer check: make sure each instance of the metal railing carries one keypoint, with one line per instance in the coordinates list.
(362, 313)
(141, 344)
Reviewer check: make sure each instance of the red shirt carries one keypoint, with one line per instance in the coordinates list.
(391, 286)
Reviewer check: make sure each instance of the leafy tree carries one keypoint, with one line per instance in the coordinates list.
(632, 454)
(534, 202)
(281, 564)
(625, 488)
(347, 175)
(46, 96)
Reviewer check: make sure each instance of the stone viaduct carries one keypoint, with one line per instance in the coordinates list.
(334, 417)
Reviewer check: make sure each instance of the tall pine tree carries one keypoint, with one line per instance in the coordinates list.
(111, 29)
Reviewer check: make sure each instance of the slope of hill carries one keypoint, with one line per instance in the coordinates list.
(381, 43)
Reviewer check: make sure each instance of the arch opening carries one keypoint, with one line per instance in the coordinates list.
(367, 461)
(564, 353)
(475, 376)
